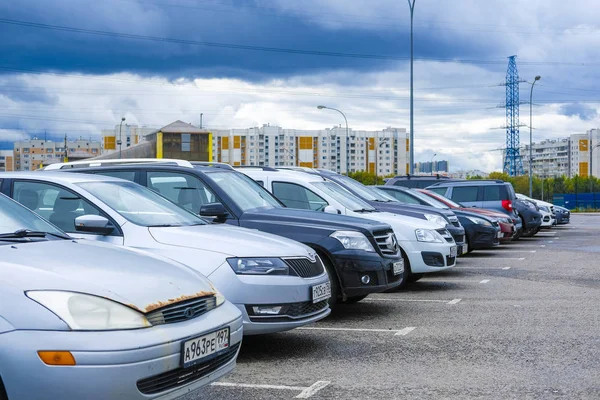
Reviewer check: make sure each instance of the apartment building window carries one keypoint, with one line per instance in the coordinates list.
(49, 150)
(94, 151)
(25, 150)
(186, 139)
(26, 156)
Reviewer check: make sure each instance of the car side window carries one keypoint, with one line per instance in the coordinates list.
(439, 190)
(57, 204)
(261, 183)
(127, 175)
(493, 193)
(296, 196)
(402, 197)
(465, 193)
(183, 189)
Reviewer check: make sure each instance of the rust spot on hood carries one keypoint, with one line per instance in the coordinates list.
(161, 304)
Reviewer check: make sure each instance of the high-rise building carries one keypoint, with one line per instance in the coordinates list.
(384, 151)
(6, 160)
(127, 135)
(30, 154)
(431, 167)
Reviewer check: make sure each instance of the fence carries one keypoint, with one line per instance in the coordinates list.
(578, 200)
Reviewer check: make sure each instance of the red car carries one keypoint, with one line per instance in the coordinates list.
(507, 227)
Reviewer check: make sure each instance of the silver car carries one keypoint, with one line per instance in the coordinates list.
(87, 320)
(277, 283)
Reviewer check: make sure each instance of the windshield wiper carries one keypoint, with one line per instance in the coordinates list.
(365, 210)
(28, 233)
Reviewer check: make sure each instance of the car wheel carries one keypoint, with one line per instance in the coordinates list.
(354, 300)
(333, 279)
(3, 395)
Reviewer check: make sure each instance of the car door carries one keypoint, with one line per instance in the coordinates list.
(468, 195)
(61, 206)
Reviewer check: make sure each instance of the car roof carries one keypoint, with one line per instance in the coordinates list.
(410, 177)
(59, 177)
(296, 175)
(469, 183)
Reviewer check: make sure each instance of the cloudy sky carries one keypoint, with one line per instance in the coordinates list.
(77, 66)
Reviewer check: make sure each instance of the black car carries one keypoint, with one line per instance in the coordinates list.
(563, 215)
(385, 203)
(480, 235)
(227, 196)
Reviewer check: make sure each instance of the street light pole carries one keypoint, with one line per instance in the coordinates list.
(537, 78)
(411, 4)
(120, 139)
(431, 161)
(347, 135)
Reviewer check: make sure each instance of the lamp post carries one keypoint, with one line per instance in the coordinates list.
(431, 162)
(120, 142)
(346, 120)
(537, 78)
(411, 5)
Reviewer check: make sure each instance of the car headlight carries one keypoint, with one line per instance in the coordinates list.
(426, 235)
(259, 266)
(353, 240)
(436, 219)
(89, 313)
(479, 221)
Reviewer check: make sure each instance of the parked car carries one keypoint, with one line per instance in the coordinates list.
(491, 194)
(481, 232)
(426, 246)
(549, 217)
(417, 181)
(278, 284)
(383, 202)
(84, 319)
(563, 215)
(361, 256)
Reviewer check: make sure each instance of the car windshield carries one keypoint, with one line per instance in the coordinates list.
(383, 195)
(140, 205)
(429, 200)
(246, 193)
(14, 217)
(342, 196)
(361, 190)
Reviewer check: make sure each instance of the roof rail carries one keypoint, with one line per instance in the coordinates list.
(211, 164)
(261, 167)
(303, 169)
(120, 161)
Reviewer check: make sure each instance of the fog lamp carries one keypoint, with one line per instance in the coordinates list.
(266, 310)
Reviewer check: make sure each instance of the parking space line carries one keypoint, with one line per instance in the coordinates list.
(407, 300)
(506, 268)
(513, 251)
(493, 258)
(485, 281)
(455, 301)
(255, 386)
(395, 331)
(313, 389)
(484, 268)
(405, 331)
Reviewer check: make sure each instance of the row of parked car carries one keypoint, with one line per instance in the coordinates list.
(140, 277)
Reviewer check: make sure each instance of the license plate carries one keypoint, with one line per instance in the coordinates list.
(200, 348)
(500, 234)
(321, 292)
(465, 248)
(453, 251)
(398, 267)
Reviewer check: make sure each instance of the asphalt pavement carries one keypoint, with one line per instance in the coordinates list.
(518, 322)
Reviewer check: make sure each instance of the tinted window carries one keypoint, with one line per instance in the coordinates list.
(127, 175)
(14, 217)
(402, 197)
(439, 190)
(493, 193)
(465, 193)
(296, 196)
(185, 190)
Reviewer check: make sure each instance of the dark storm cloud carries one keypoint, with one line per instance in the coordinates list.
(583, 111)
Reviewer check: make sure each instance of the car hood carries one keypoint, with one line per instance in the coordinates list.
(131, 277)
(328, 223)
(229, 241)
(403, 226)
(411, 208)
(487, 213)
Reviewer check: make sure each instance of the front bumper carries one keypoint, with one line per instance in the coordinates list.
(420, 254)
(460, 238)
(110, 364)
(247, 291)
(482, 237)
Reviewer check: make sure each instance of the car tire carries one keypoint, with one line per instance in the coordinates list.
(354, 300)
(334, 280)
(3, 395)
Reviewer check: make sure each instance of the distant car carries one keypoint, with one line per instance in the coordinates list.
(548, 218)
(278, 284)
(426, 246)
(563, 215)
(418, 181)
(83, 319)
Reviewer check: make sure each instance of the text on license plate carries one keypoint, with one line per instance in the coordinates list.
(453, 251)
(398, 267)
(465, 248)
(194, 350)
(321, 292)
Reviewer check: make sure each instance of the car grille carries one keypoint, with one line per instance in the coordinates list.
(182, 311)
(446, 235)
(459, 238)
(386, 240)
(183, 376)
(304, 267)
(289, 312)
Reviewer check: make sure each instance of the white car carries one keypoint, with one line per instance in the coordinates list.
(277, 283)
(545, 208)
(428, 247)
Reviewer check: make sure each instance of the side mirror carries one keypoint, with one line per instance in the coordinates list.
(216, 210)
(95, 224)
(331, 210)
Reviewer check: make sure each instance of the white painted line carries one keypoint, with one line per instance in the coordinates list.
(484, 268)
(313, 389)
(253, 386)
(455, 301)
(550, 241)
(491, 258)
(515, 251)
(506, 268)
(351, 330)
(405, 331)
(485, 281)
(407, 300)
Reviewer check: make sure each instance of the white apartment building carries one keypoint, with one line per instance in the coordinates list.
(385, 151)
(6, 160)
(122, 136)
(565, 157)
(31, 154)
